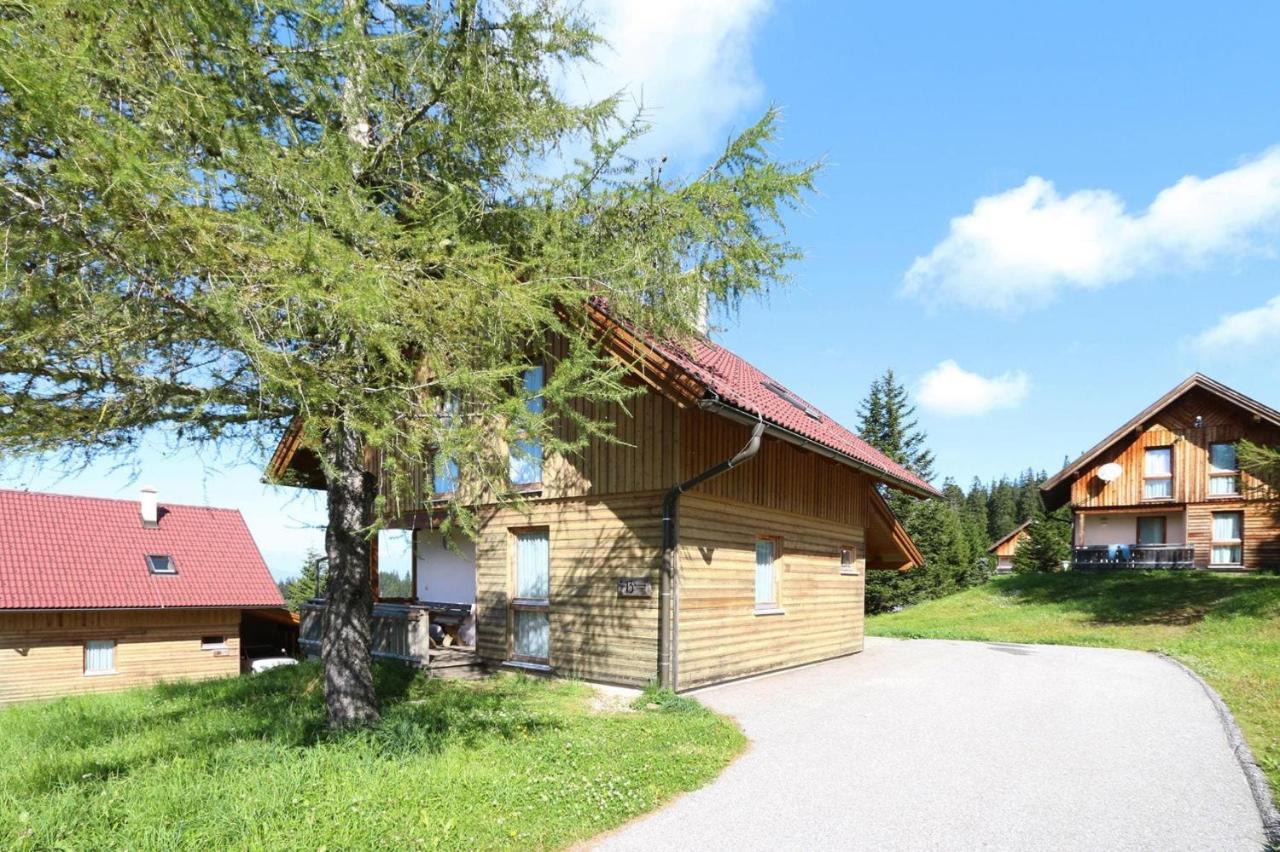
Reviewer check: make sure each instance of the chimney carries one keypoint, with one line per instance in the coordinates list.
(704, 314)
(150, 511)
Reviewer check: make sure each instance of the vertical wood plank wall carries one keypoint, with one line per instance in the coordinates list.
(1175, 426)
(42, 654)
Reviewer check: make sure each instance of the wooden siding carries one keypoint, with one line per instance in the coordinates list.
(783, 477)
(1173, 426)
(1009, 546)
(42, 653)
(1261, 544)
(595, 634)
(721, 636)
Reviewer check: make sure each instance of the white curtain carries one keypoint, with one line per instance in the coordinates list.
(1159, 461)
(100, 656)
(533, 565)
(1226, 526)
(764, 573)
(532, 634)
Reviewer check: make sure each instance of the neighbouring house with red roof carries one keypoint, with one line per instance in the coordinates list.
(728, 532)
(98, 595)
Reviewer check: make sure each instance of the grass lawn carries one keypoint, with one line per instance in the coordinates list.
(1226, 627)
(246, 763)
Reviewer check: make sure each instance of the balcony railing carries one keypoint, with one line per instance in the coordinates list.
(400, 631)
(1139, 557)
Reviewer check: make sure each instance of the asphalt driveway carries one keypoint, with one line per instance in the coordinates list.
(968, 745)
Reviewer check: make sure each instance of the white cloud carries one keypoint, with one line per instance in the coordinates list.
(690, 64)
(1018, 249)
(1242, 331)
(951, 390)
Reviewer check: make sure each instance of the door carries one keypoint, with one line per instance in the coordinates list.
(530, 621)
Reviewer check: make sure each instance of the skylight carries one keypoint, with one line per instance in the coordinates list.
(792, 400)
(159, 563)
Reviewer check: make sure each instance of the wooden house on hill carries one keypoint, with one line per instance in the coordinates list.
(1165, 490)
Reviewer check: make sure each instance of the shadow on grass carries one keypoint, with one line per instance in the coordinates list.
(1169, 598)
(91, 739)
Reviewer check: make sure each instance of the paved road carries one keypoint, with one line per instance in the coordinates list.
(968, 745)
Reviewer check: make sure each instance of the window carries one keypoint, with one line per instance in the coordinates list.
(531, 605)
(161, 564)
(848, 561)
(766, 576)
(792, 400)
(444, 478)
(213, 643)
(525, 467)
(100, 657)
(1153, 530)
(1228, 538)
(1224, 473)
(1157, 472)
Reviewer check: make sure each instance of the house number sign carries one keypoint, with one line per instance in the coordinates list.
(634, 587)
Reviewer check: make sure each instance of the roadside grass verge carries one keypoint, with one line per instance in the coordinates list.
(1224, 626)
(246, 763)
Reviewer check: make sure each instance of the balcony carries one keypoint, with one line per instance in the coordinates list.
(1136, 557)
(401, 631)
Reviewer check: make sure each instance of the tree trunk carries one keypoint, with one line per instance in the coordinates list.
(346, 646)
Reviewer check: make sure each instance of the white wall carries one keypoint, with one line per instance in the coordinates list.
(446, 575)
(1123, 529)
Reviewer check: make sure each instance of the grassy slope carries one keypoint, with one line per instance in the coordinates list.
(1226, 627)
(245, 763)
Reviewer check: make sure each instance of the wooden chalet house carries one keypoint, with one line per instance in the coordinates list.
(1004, 549)
(1165, 491)
(98, 595)
(774, 519)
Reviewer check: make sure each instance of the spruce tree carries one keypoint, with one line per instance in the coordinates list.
(1002, 515)
(1030, 504)
(1046, 545)
(223, 217)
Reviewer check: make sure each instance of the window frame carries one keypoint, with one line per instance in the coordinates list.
(1164, 530)
(516, 461)
(520, 604)
(84, 665)
(220, 643)
(169, 560)
(1167, 478)
(773, 607)
(1217, 473)
(1215, 542)
(851, 569)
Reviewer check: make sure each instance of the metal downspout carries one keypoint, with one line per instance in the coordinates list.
(668, 589)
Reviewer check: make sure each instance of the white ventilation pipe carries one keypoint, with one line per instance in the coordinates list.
(150, 509)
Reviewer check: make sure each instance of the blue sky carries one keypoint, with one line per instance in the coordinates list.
(1010, 153)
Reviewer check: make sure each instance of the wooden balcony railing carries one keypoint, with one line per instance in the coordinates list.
(400, 631)
(1133, 556)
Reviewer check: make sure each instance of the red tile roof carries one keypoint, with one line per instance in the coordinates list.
(62, 552)
(740, 384)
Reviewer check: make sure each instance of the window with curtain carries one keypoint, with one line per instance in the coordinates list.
(1157, 472)
(1228, 538)
(766, 580)
(1224, 473)
(100, 657)
(531, 607)
(1152, 530)
(525, 466)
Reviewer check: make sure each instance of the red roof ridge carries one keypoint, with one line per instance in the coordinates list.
(163, 504)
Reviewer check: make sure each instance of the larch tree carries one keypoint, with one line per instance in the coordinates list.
(219, 218)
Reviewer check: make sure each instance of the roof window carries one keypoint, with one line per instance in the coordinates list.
(792, 400)
(158, 563)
